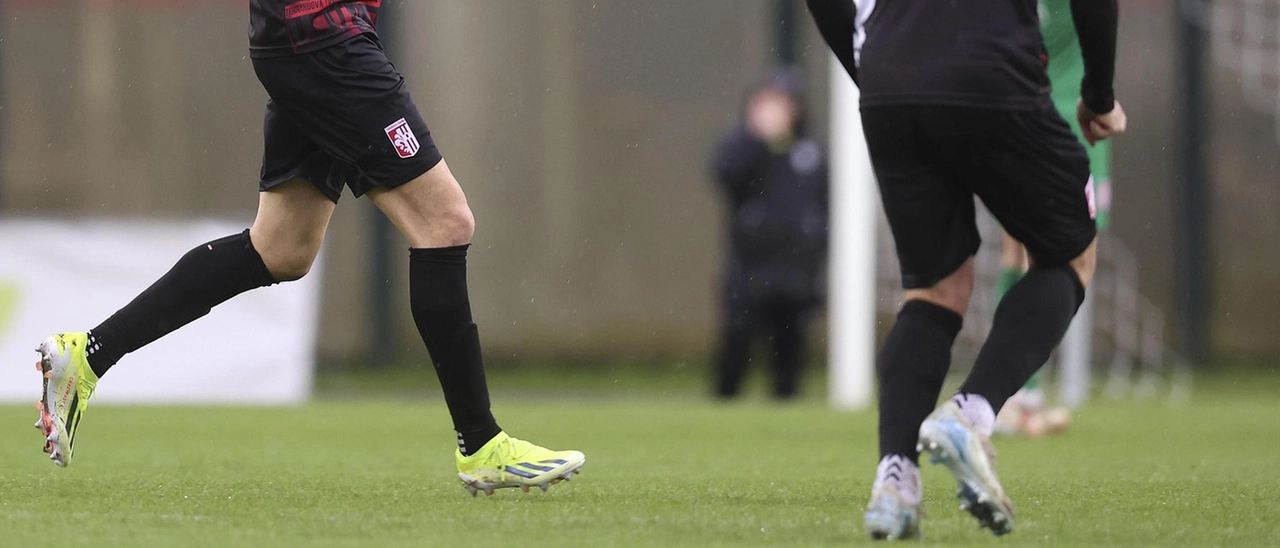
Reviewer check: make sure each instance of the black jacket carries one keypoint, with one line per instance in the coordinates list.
(778, 216)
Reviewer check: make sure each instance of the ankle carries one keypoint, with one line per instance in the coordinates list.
(977, 410)
(472, 441)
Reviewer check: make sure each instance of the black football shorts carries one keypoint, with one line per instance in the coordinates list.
(1026, 166)
(341, 116)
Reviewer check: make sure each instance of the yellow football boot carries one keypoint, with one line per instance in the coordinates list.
(68, 385)
(508, 462)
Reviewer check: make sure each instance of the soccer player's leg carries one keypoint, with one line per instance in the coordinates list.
(932, 219)
(352, 103)
(1038, 195)
(281, 246)
(1028, 325)
(1023, 414)
(433, 214)
(912, 366)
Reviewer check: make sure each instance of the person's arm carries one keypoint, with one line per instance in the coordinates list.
(1096, 25)
(837, 20)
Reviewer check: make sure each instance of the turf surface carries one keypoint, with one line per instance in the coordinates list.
(665, 468)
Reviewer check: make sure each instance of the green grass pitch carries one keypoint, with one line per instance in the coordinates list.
(665, 468)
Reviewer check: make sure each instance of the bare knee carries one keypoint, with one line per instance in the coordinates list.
(1086, 263)
(455, 226)
(444, 225)
(291, 223)
(431, 211)
(286, 260)
(952, 292)
(288, 268)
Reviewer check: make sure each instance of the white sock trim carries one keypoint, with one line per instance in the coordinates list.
(977, 410)
(901, 472)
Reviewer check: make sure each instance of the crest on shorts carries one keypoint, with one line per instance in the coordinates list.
(402, 138)
(1091, 198)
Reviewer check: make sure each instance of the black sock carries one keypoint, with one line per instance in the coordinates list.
(1029, 322)
(203, 278)
(912, 366)
(442, 311)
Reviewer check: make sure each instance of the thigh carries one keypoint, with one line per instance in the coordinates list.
(291, 223)
(352, 103)
(931, 216)
(1032, 173)
(431, 210)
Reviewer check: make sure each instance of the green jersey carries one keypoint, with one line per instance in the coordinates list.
(1066, 71)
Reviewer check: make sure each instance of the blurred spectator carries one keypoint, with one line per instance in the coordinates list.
(774, 180)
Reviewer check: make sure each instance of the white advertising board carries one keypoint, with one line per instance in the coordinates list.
(58, 275)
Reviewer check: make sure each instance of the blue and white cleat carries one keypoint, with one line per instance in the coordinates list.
(891, 516)
(950, 439)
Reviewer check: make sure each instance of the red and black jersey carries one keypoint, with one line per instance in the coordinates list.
(287, 27)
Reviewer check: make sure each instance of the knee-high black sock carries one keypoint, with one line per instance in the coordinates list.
(203, 278)
(912, 365)
(1029, 323)
(442, 312)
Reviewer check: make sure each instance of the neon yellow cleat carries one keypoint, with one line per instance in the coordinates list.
(508, 462)
(68, 385)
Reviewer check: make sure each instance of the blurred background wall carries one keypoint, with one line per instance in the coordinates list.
(581, 131)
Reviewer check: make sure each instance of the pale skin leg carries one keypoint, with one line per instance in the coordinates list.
(1012, 254)
(431, 211)
(1086, 263)
(952, 293)
(290, 226)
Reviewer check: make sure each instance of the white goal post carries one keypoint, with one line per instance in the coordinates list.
(854, 216)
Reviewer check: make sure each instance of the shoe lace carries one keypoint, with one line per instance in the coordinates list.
(508, 452)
